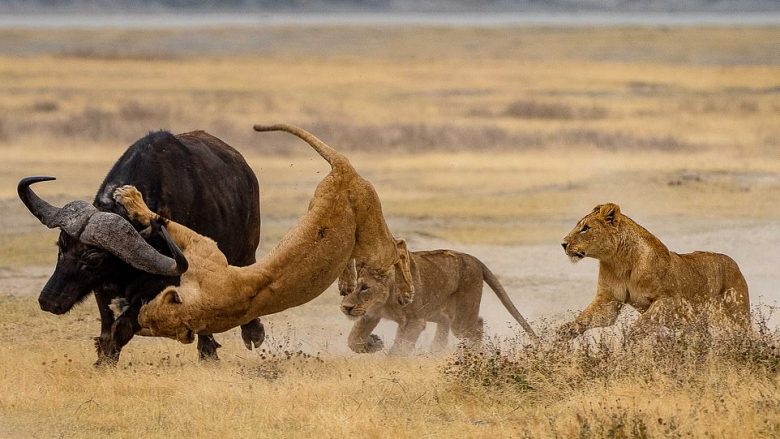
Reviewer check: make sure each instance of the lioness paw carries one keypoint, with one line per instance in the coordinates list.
(133, 202)
(569, 331)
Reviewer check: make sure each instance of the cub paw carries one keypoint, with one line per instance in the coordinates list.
(372, 344)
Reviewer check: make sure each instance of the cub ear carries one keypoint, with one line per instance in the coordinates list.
(609, 212)
(171, 296)
(404, 265)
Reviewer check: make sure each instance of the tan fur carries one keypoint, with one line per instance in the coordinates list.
(344, 222)
(637, 269)
(448, 291)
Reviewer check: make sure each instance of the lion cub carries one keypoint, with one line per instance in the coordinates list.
(448, 291)
(637, 269)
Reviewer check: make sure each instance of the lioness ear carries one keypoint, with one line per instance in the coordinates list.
(348, 279)
(171, 296)
(404, 265)
(609, 212)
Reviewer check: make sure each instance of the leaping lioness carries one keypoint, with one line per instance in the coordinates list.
(637, 269)
(344, 222)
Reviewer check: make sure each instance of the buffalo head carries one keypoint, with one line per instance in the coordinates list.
(88, 238)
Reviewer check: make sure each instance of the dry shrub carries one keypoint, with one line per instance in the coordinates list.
(529, 109)
(687, 358)
(45, 106)
(414, 137)
(618, 140)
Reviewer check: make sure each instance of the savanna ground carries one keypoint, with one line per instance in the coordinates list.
(492, 141)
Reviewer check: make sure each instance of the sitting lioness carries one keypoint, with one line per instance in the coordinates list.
(637, 269)
(448, 291)
(344, 222)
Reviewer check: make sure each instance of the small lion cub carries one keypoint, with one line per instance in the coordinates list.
(448, 291)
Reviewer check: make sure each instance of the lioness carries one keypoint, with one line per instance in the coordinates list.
(344, 222)
(636, 268)
(448, 290)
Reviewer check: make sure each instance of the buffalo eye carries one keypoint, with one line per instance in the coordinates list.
(584, 228)
(90, 259)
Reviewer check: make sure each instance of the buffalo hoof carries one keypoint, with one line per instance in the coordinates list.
(253, 333)
(207, 348)
(107, 356)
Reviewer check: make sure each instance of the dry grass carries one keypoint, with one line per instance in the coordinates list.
(471, 136)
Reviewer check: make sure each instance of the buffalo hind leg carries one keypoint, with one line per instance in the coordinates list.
(253, 333)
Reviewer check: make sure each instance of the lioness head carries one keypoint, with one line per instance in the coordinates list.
(163, 317)
(367, 289)
(595, 235)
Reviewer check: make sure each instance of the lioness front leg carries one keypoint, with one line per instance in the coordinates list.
(406, 337)
(603, 311)
(361, 340)
(133, 202)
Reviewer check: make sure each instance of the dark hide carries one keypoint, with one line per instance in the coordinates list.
(194, 179)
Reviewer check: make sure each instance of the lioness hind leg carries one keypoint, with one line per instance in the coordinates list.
(406, 337)
(663, 313)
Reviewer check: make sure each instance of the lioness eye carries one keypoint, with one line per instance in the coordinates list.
(584, 228)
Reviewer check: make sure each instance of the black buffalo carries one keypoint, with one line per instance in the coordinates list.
(194, 179)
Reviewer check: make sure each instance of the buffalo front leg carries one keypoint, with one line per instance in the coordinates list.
(361, 340)
(406, 337)
(107, 356)
(253, 333)
(207, 347)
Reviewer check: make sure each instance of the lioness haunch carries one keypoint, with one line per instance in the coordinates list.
(344, 222)
(447, 291)
(637, 269)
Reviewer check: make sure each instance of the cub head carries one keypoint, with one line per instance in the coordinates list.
(595, 235)
(367, 289)
(164, 316)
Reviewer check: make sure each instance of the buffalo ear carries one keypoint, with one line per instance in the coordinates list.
(609, 212)
(171, 296)
(404, 265)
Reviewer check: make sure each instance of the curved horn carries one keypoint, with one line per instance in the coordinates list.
(181, 262)
(112, 232)
(71, 218)
(42, 210)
